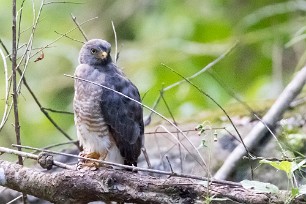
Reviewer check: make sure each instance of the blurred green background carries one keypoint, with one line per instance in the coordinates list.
(185, 35)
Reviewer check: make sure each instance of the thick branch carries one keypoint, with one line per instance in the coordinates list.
(260, 130)
(118, 185)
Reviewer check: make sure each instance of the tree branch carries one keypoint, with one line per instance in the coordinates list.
(107, 184)
(260, 130)
(14, 78)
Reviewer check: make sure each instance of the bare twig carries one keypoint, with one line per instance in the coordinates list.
(179, 142)
(116, 42)
(27, 53)
(57, 111)
(62, 2)
(14, 78)
(170, 165)
(259, 131)
(32, 93)
(19, 22)
(207, 95)
(189, 130)
(15, 199)
(232, 94)
(133, 168)
(32, 156)
(79, 26)
(207, 67)
(43, 110)
(204, 69)
(69, 37)
(145, 154)
(59, 144)
(5, 49)
(178, 136)
(297, 102)
(29, 89)
(6, 89)
(60, 37)
(37, 102)
(271, 159)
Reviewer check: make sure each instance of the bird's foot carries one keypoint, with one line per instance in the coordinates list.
(84, 164)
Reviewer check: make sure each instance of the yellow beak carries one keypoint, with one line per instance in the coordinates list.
(103, 55)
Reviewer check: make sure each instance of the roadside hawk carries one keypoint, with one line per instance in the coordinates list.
(109, 126)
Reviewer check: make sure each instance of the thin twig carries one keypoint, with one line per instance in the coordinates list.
(178, 136)
(196, 149)
(145, 154)
(116, 43)
(32, 93)
(189, 130)
(79, 26)
(207, 67)
(297, 102)
(6, 89)
(170, 165)
(5, 49)
(19, 22)
(32, 156)
(22, 73)
(31, 27)
(60, 37)
(39, 105)
(227, 88)
(59, 144)
(43, 110)
(133, 168)
(207, 95)
(204, 69)
(15, 199)
(57, 111)
(14, 80)
(69, 37)
(62, 2)
(7, 115)
(271, 159)
(27, 54)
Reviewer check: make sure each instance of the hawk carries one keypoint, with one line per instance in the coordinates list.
(109, 126)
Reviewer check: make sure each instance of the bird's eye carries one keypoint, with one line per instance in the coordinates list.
(93, 51)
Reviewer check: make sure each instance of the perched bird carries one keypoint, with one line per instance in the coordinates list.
(109, 126)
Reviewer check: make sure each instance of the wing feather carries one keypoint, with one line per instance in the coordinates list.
(123, 116)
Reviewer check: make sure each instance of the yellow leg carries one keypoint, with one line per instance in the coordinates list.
(84, 164)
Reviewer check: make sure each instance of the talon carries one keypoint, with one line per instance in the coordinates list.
(84, 165)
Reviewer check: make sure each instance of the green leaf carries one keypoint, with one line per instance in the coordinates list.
(294, 192)
(285, 166)
(259, 186)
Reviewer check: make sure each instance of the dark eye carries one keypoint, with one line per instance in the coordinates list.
(93, 51)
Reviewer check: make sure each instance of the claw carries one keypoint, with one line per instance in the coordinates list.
(84, 165)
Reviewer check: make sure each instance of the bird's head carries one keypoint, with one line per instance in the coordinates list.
(95, 52)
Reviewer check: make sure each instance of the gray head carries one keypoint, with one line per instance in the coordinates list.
(95, 52)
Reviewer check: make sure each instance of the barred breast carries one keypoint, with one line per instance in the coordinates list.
(92, 131)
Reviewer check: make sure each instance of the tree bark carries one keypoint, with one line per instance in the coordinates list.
(122, 186)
